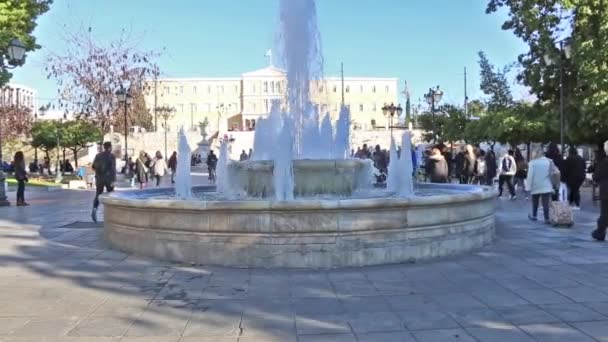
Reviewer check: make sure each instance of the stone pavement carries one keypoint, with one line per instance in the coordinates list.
(535, 283)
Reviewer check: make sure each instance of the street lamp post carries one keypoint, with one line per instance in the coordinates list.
(390, 111)
(432, 98)
(565, 50)
(15, 53)
(165, 112)
(125, 98)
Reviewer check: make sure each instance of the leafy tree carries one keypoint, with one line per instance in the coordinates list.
(78, 135)
(89, 75)
(540, 24)
(449, 125)
(18, 20)
(45, 135)
(494, 83)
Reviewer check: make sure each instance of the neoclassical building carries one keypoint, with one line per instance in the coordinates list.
(237, 103)
(19, 95)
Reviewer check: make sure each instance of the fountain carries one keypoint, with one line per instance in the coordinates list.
(300, 201)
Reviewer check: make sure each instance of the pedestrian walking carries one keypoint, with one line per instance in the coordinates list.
(600, 176)
(491, 167)
(211, 165)
(469, 166)
(574, 174)
(104, 166)
(243, 156)
(507, 171)
(141, 170)
(482, 170)
(173, 166)
(539, 183)
(160, 167)
(130, 171)
(521, 172)
(436, 167)
(21, 177)
(555, 155)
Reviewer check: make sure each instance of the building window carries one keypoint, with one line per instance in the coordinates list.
(266, 105)
(254, 107)
(194, 90)
(253, 88)
(278, 89)
(347, 89)
(236, 89)
(167, 90)
(272, 87)
(180, 108)
(208, 89)
(361, 107)
(222, 89)
(335, 89)
(265, 87)
(207, 107)
(361, 88)
(374, 108)
(373, 89)
(193, 108)
(181, 90)
(386, 88)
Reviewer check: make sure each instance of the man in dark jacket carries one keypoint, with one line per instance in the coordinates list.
(600, 176)
(574, 175)
(104, 165)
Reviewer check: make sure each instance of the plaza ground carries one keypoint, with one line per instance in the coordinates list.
(59, 281)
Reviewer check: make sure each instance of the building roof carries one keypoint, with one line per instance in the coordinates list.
(270, 71)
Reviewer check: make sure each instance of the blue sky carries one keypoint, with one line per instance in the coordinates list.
(426, 42)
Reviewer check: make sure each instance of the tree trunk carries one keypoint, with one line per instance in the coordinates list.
(75, 151)
(528, 152)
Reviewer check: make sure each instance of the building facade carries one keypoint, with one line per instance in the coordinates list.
(19, 95)
(235, 104)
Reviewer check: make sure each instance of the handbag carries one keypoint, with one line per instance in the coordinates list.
(554, 174)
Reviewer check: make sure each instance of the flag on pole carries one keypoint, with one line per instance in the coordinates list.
(268, 55)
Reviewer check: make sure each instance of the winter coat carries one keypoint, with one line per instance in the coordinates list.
(573, 170)
(470, 166)
(539, 177)
(173, 163)
(507, 166)
(437, 169)
(491, 166)
(600, 176)
(104, 165)
(159, 166)
(20, 173)
(141, 170)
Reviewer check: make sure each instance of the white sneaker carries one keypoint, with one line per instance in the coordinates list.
(576, 208)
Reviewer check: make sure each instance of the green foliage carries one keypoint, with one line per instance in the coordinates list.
(44, 135)
(450, 123)
(585, 75)
(76, 135)
(494, 83)
(18, 20)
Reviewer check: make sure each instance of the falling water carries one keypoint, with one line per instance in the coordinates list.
(221, 172)
(183, 181)
(301, 52)
(406, 167)
(392, 181)
(326, 138)
(342, 137)
(283, 177)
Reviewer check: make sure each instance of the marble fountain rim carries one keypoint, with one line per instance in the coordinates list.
(122, 199)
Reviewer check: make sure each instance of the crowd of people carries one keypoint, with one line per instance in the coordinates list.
(544, 178)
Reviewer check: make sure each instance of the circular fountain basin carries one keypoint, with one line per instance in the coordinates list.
(305, 233)
(311, 176)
